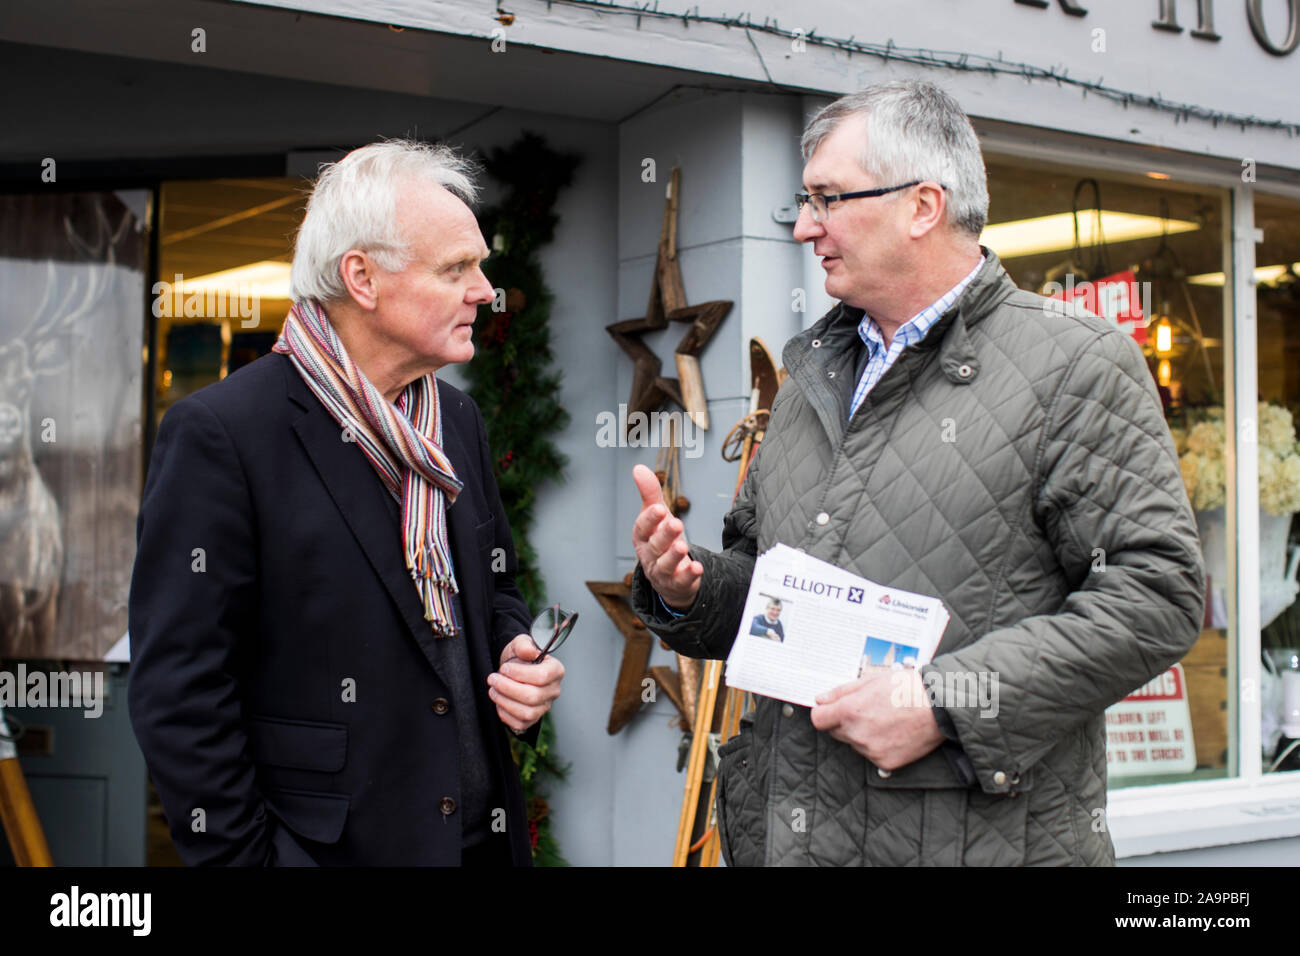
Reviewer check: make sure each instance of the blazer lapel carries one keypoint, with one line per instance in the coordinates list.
(462, 531)
(365, 505)
(462, 522)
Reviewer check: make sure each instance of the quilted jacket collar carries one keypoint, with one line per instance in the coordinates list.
(812, 354)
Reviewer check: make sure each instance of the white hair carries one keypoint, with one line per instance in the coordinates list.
(354, 206)
(915, 131)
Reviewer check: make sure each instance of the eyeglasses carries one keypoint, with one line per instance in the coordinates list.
(820, 204)
(550, 629)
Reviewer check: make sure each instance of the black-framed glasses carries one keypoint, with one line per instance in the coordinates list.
(550, 629)
(820, 204)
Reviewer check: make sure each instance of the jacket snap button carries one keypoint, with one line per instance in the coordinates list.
(823, 518)
(965, 371)
(816, 343)
(787, 711)
(447, 805)
(886, 774)
(830, 374)
(999, 778)
(440, 706)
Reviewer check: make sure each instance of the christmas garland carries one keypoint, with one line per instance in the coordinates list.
(513, 381)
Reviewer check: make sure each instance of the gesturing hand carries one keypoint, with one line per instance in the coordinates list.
(660, 543)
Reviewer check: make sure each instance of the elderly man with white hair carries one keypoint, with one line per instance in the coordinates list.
(943, 432)
(328, 646)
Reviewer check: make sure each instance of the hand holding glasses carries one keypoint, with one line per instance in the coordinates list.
(550, 629)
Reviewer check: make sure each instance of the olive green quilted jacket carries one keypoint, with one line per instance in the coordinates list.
(1015, 463)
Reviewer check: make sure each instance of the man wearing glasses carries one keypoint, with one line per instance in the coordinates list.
(943, 432)
(328, 646)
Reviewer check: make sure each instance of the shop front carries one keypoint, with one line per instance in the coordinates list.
(1143, 161)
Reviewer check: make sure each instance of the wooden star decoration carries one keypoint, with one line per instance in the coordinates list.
(667, 303)
(638, 642)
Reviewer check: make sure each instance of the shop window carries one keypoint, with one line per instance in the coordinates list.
(1277, 297)
(1148, 254)
(222, 289)
(72, 277)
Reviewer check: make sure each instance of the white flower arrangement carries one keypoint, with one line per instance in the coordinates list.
(1200, 454)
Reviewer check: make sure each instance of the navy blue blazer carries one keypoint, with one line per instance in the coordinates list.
(285, 688)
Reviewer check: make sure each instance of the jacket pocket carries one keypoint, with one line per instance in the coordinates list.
(731, 747)
(996, 826)
(316, 816)
(740, 816)
(934, 771)
(298, 744)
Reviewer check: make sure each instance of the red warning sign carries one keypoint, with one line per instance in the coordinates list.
(1116, 297)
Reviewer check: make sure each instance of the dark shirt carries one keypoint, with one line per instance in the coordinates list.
(478, 792)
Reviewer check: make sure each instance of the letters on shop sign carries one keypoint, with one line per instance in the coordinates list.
(1167, 19)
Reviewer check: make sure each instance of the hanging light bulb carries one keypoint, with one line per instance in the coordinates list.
(1164, 373)
(1164, 337)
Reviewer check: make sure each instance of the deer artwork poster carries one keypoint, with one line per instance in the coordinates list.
(72, 318)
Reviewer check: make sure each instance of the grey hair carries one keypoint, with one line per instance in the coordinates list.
(354, 206)
(914, 131)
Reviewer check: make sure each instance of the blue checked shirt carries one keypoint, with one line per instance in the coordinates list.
(909, 333)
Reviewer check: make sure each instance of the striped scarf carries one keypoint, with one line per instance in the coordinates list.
(403, 442)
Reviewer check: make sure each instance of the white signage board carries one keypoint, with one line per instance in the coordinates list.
(1150, 730)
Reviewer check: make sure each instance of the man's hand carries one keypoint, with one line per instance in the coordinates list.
(660, 543)
(524, 691)
(885, 716)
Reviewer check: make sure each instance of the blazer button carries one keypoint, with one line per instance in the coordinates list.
(440, 706)
(447, 805)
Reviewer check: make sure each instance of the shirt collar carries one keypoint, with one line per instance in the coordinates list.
(914, 329)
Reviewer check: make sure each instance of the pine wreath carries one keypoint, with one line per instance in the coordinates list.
(514, 382)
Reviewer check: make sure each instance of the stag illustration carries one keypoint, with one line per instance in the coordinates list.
(31, 536)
